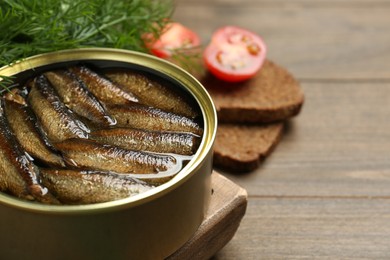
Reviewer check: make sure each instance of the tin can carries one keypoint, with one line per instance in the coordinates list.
(150, 225)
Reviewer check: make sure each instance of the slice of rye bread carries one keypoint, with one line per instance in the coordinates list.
(241, 148)
(273, 94)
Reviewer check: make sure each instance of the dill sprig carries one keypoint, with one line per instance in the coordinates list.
(189, 59)
(30, 27)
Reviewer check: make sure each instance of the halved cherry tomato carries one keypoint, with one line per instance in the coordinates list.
(175, 36)
(234, 54)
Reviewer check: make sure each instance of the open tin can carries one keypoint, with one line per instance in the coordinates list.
(150, 225)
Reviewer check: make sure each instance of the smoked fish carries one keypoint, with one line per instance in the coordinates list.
(104, 90)
(58, 122)
(85, 187)
(18, 174)
(150, 118)
(152, 93)
(153, 141)
(24, 125)
(75, 95)
(88, 154)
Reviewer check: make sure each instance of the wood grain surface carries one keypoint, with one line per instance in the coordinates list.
(324, 193)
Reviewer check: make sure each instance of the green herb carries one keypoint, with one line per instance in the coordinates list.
(30, 27)
(6, 83)
(189, 59)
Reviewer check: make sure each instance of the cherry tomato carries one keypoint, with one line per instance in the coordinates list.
(175, 36)
(234, 54)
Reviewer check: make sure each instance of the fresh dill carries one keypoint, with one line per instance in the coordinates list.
(189, 59)
(30, 27)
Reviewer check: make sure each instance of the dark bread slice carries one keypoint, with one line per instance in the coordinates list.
(241, 148)
(272, 95)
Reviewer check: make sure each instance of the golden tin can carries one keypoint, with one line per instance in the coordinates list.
(150, 225)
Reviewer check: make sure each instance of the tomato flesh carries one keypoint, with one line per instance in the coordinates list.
(234, 54)
(175, 36)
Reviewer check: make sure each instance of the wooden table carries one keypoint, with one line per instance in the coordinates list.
(325, 191)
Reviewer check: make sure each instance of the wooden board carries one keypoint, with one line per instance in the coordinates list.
(227, 208)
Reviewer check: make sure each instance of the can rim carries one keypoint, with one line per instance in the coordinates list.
(141, 59)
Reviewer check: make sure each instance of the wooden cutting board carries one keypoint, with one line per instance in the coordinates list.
(227, 208)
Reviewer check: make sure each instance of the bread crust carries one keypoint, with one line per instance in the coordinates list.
(272, 95)
(241, 148)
